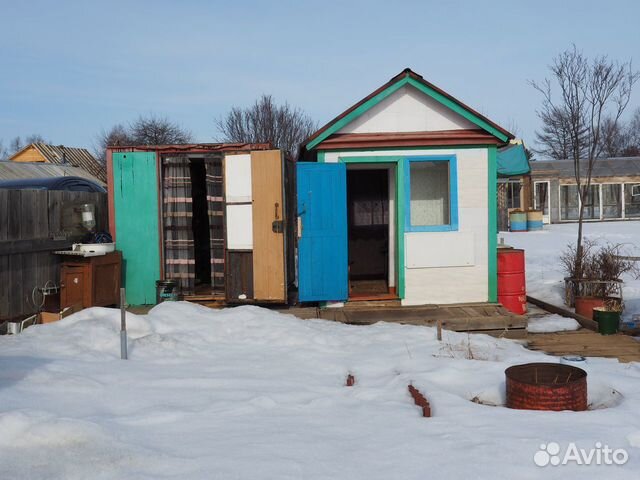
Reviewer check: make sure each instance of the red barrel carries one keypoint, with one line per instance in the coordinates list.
(512, 288)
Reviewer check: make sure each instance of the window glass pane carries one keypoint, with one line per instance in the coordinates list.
(632, 200)
(429, 189)
(568, 202)
(513, 194)
(611, 201)
(592, 203)
(541, 194)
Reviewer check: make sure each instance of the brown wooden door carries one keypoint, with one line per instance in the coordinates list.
(269, 281)
(73, 285)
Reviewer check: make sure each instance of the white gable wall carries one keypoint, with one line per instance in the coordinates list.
(408, 110)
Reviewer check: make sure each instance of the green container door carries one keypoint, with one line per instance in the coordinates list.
(135, 194)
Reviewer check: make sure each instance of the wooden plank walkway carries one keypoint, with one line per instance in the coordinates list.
(490, 318)
(586, 343)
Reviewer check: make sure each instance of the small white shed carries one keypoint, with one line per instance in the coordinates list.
(397, 199)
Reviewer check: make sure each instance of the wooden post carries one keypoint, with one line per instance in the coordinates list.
(123, 325)
(439, 329)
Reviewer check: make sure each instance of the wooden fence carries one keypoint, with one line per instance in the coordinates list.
(34, 223)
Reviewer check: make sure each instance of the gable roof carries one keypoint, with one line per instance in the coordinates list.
(407, 77)
(69, 156)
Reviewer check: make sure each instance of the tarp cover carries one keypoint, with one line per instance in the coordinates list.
(512, 160)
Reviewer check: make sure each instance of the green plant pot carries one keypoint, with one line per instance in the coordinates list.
(608, 322)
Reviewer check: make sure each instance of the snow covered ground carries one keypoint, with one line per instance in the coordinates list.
(551, 323)
(247, 393)
(542, 251)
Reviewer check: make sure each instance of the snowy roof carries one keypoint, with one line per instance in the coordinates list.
(604, 167)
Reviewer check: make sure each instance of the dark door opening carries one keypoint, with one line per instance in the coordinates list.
(368, 230)
(200, 226)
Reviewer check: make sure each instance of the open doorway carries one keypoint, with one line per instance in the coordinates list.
(200, 226)
(371, 258)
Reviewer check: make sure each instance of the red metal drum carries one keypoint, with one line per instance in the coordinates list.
(512, 289)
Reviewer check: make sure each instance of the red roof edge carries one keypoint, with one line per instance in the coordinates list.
(194, 147)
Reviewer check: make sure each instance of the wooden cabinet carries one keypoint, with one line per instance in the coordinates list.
(90, 281)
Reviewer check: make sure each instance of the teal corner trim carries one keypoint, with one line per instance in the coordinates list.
(356, 113)
(493, 224)
(400, 174)
(459, 109)
(407, 80)
(453, 194)
(321, 157)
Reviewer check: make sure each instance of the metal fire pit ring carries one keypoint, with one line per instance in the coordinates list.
(546, 386)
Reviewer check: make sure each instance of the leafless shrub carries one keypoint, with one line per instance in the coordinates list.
(612, 262)
(569, 260)
(602, 269)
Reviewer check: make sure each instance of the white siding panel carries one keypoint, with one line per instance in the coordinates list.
(408, 110)
(239, 227)
(444, 286)
(439, 249)
(237, 178)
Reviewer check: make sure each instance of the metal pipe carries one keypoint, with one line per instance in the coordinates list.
(123, 325)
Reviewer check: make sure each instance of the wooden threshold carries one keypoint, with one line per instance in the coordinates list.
(372, 297)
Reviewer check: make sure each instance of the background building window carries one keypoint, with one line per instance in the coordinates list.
(514, 190)
(611, 201)
(569, 204)
(632, 200)
(592, 203)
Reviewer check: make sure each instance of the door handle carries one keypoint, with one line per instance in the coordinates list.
(299, 226)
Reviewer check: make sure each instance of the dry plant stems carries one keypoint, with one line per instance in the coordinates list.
(613, 305)
(600, 269)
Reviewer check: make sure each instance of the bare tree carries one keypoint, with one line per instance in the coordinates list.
(17, 144)
(115, 136)
(554, 137)
(4, 153)
(283, 126)
(152, 130)
(621, 139)
(632, 134)
(149, 130)
(589, 92)
(614, 139)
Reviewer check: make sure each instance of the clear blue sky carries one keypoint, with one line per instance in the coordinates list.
(69, 69)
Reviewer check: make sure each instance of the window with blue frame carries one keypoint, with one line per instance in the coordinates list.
(431, 186)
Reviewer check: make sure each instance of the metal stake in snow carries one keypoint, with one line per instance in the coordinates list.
(123, 326)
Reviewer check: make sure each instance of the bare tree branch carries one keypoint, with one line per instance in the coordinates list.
(593, 94)
(149, 130)
(283, 126)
